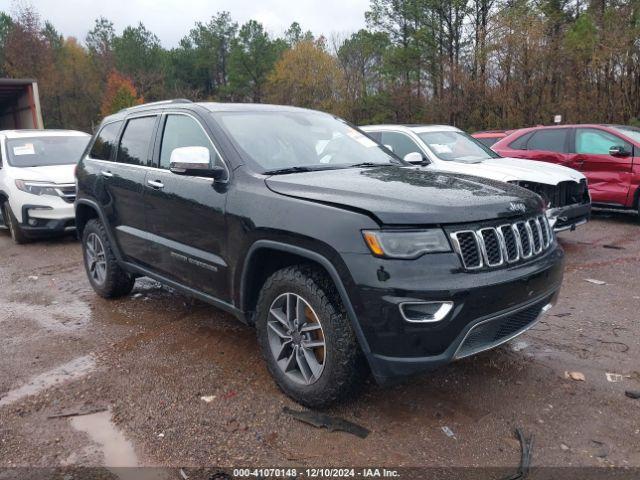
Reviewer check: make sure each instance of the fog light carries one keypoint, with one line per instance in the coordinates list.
(425, 312)
(33, 222)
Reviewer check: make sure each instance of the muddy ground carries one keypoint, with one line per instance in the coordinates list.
(151, 357)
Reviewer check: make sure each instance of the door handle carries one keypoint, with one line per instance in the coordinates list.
(106, 173)
(155, 184)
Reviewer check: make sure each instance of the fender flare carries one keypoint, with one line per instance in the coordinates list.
(325, 263)
(94, 206)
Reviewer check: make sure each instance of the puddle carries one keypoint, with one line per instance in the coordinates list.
(72, 370)
(116, 449)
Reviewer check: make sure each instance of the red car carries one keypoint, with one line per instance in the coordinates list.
(489, 137)
(608, 155)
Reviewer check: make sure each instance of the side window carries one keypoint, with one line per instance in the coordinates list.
(520, 143)
(135, 141)
(400, 143)
(105, 142)
(551, 140)
(598, 142)
(377, 136)
(184, 131)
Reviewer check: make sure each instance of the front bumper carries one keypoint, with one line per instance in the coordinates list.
(569, 217)
(42, 220)
(490, 308)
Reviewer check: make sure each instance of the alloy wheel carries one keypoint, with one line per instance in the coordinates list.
(296, 338)
(96, 258)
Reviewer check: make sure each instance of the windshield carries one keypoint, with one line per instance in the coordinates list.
(276, 140)
(632, 132)
(42, 151)
(456, 146)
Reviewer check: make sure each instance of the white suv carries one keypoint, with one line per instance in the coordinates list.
(37, 183)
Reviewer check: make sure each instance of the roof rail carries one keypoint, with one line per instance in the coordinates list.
(161, 102)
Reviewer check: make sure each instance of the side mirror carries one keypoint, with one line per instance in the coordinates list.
(414, 157)
(194, 161)
(618, 151)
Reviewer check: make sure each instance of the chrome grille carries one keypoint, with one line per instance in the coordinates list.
(492, 247)
(67, 192)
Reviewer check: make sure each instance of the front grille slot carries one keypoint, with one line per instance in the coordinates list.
(494, 246)
(510, 243)
(535, 235)
(469, 250)
(491, 246)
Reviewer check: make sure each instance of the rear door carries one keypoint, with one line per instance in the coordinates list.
(124, 183)
(609, 176)
(187, 214)
(550, 145)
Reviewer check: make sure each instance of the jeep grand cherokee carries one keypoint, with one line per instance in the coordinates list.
(344, 257)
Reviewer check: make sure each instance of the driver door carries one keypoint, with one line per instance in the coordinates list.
(186, 214)
(609, 176)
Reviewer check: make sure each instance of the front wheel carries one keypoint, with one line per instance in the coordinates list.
(306, 338)
(106, 277)
(17, 234)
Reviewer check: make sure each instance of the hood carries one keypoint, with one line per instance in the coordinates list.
(49, 173)
(507, 169)
(409, 195)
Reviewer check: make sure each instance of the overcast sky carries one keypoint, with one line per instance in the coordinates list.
(170, 20)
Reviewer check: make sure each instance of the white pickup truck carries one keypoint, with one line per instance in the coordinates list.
(449, 149)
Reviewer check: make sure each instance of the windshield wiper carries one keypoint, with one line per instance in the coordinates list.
(368, 164)
(282, 171)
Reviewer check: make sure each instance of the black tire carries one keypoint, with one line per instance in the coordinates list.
(116, 282)
(345, 368)
(17, 234)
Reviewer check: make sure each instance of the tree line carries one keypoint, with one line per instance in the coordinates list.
(477, 64)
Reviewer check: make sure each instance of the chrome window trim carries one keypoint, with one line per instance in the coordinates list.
(224, 163)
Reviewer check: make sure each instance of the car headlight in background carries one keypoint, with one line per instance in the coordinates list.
(406, 244)
(37, 188)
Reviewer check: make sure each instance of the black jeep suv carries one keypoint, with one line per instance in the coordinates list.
(344, 257)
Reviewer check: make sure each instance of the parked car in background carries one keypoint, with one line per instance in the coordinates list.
(338, 252)
(37, 183)
(449, 149)
(489, 137)
(608, 155)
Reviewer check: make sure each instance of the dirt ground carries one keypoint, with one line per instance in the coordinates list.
(143, 363)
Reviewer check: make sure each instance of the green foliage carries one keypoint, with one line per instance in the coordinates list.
(473, 63)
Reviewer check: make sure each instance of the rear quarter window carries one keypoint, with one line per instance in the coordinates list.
(105, 142)
(520, 143)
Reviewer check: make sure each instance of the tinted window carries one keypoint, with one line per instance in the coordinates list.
(487, 141)
(520, 143)
(400, 143)
(183, 131)
(551, 140)
(598, 142)
(105, 142)
(134, 145)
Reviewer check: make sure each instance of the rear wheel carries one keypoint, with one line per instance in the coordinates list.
(107, 278)
(307, 339)
(17, 234)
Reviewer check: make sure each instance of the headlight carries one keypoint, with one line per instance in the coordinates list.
(406, 244)
(37, 188)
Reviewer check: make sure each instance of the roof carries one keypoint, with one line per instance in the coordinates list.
(413, 128)
(42, 133)
(211, 106)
